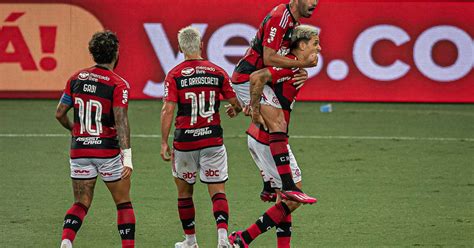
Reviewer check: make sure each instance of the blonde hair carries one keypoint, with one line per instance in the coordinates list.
(189, 40)
(303, 32)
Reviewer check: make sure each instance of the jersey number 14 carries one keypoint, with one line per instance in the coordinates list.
(198, 105)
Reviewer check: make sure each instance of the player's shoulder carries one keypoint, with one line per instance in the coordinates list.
(118, 80)
(212, 68)
(181, 69)
(280, 11)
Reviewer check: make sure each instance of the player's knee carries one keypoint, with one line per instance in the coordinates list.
(121, 198)
(185, 192)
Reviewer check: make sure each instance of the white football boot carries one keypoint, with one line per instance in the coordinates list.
(184, 244)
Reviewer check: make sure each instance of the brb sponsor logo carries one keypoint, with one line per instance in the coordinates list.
(212, 173)
(83, 172)
(106, 174)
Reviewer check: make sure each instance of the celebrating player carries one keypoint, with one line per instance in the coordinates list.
(195, 85)
(100, 101)
(268, 48)
(305, 44)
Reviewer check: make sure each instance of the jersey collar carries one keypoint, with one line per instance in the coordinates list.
(102, 67)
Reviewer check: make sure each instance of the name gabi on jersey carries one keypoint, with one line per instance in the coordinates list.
(89, 88)
(199, 132)
(187, 82)
(89, 140)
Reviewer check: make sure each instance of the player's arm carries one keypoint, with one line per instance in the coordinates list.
(272, 58)
(64, 105)
(167, 114)
(61, 115)
(123, 132)
(258, 79)
(233, 108)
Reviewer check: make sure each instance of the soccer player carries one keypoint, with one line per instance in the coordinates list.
(305, 43)
(100, 101)
(195, 85)
(268, 48)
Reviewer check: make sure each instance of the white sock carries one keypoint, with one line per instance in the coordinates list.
(191, 239)
(222, 234)
(66, 243)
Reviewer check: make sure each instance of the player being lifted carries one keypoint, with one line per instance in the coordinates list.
(100, 101)
(195, 85)
(268, 48)
(304, 44)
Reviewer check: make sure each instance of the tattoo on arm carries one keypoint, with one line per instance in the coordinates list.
(122, 126)
(257, 82)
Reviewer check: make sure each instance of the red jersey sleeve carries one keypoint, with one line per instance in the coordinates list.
(121, 92)
(171, 91)
(274, 31)
(280, 75)
(227, 90)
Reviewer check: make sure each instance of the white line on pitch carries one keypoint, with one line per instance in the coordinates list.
(153, 136)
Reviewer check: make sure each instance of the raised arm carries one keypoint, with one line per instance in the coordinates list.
(167, 113)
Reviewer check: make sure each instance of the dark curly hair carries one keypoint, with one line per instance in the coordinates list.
(104, 47)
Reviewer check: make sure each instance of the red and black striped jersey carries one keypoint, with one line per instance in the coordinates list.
(274, 32)
(196, 86)
(286, 92)
(93, 92)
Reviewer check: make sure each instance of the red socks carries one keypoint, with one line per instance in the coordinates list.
(187, 214)
(73, 221)
(281, 156)
(269, 219)
(221, 210)
(283, 232)
(126, 224)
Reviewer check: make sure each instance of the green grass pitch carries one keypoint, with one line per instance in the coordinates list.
(384, 174)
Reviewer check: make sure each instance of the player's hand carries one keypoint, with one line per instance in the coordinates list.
(258, 119)
(126, 172)
(165, 152)
(300, 78)
(231, 112)
(247, 111)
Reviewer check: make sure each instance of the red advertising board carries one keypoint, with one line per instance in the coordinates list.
(386, 51)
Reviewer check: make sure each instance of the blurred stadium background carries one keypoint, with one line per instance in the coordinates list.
(392, 164)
